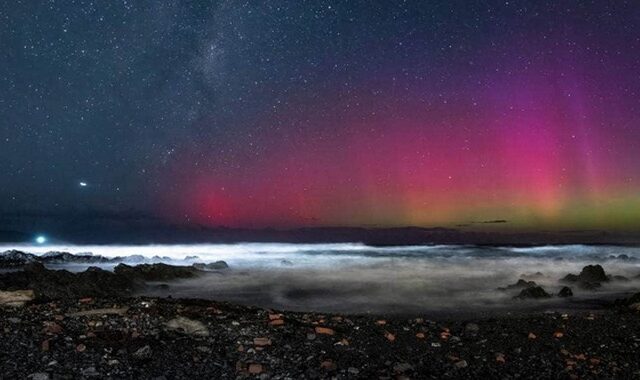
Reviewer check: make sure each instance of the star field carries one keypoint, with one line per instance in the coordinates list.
(295, 113)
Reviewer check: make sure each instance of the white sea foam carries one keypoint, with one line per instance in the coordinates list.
(355, 277)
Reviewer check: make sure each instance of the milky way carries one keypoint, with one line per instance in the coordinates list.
(324, 113)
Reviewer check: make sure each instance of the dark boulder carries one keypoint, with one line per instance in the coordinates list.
(156, 272)
(534, 292)
(66, 257)
(590, 278)
(593, 273)
(565, 292)
(520, 284)
(218, 265)
(56, 284)
(15, 259)
(570, 278)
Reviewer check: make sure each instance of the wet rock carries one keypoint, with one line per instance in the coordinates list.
(565, 292)
(188, 326)
(68, 258)
(590, 278)
(520, 284)
(593, 273)
(286, 263)
(217, 265)
(18, 259)
(56, 284)
(15, 259)
(535, 292)
(16, 298)
(156, 272)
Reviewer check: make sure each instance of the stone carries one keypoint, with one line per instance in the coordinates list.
(535, 292)
(593, 273)
(390, 337)
(143, 353)
(255, 368)
(16, 298)
(217, 265)
(90, 372)
(39, 376)
(276, 322)
(261, 342)
(461, 364)
(565, 292)
(402, 367)
(324, 331)
(328, 365)
(155, 272)
(472, 328)
(188, 326)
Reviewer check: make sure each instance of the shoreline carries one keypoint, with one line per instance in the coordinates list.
(57, 324)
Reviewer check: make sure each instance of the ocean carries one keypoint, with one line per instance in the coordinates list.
(357, 278)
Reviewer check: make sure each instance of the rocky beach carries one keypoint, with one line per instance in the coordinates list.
(94, 323)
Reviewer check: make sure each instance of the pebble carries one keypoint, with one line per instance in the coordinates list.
(39, 376)
(472, 328)
(461, 364)
(402, 367)
(324, 331)
(143, 353)
(261, 342)
(90, 372)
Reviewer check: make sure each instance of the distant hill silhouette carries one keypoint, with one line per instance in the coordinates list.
(158, 233)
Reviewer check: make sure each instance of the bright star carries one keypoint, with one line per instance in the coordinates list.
(41, 239)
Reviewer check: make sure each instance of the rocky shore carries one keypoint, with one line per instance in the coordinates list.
(167, 339)
(56, 324)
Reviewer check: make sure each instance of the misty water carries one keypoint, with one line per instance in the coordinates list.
(359, 278)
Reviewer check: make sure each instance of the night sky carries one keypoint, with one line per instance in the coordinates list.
(315, 113)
